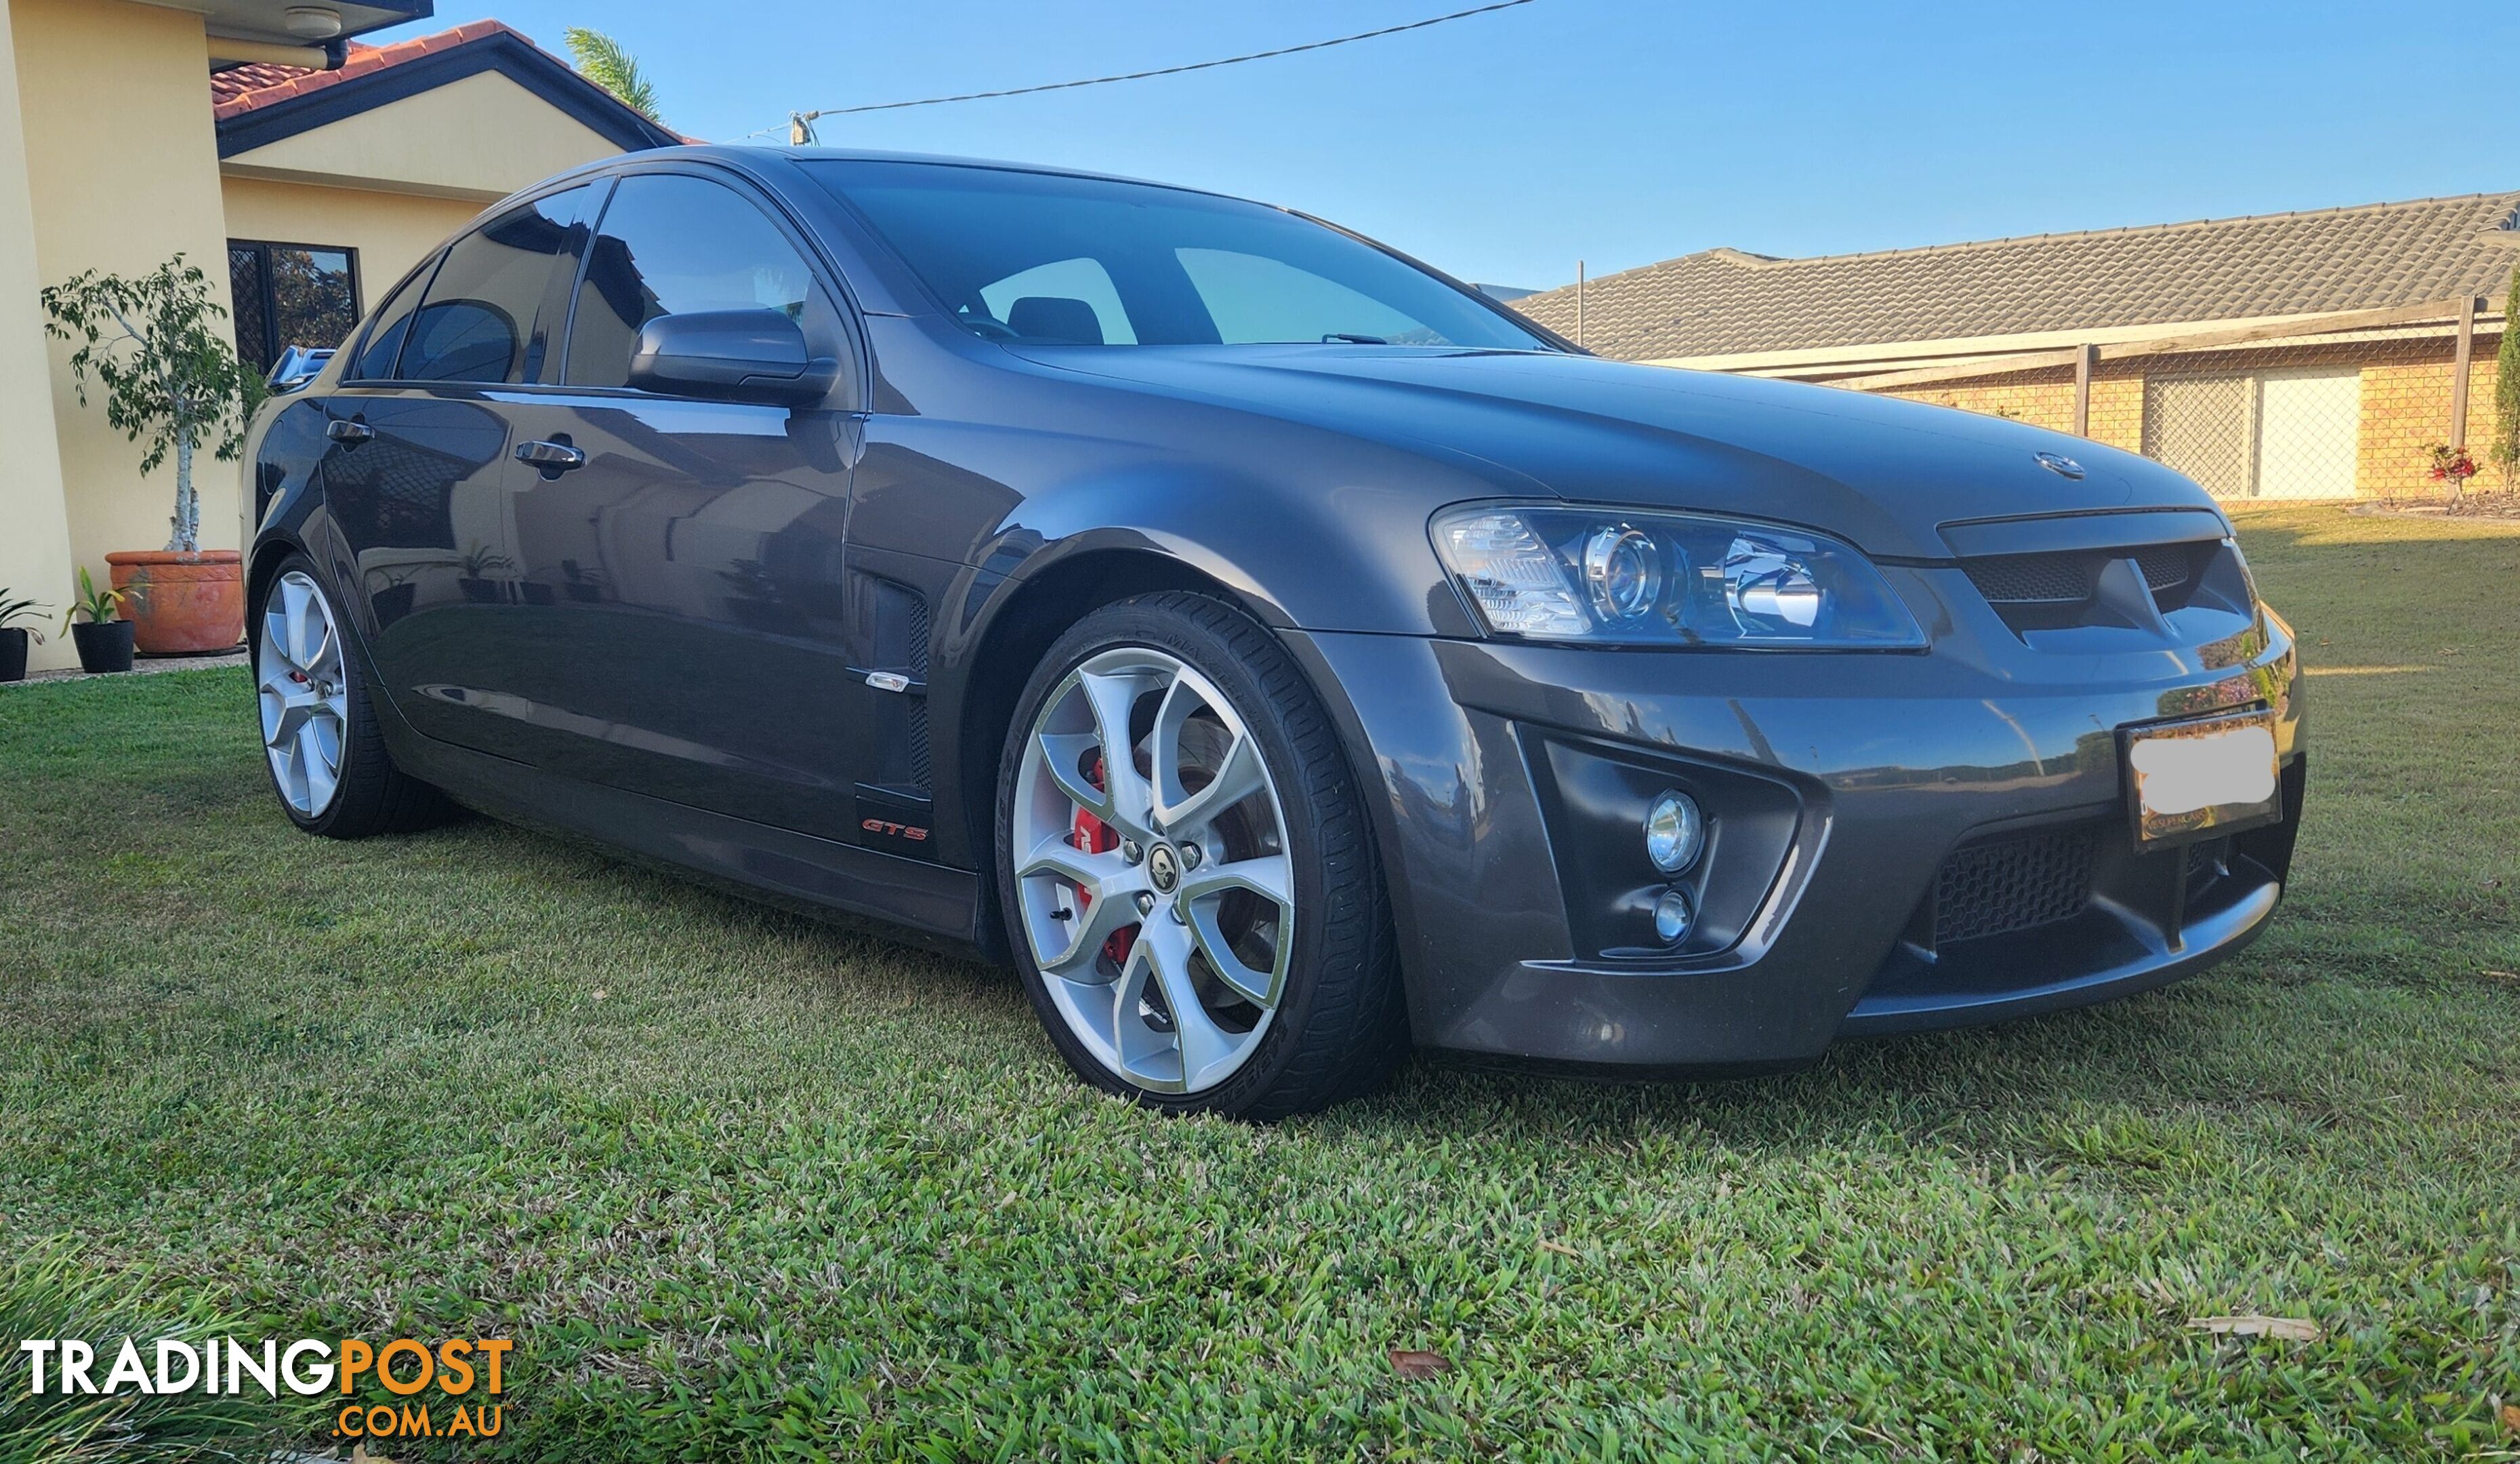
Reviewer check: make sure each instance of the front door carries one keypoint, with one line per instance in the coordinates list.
(682, 560)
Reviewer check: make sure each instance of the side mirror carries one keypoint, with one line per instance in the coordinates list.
(731, 355)
(298, 365)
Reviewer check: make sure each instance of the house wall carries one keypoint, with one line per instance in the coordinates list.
(2404, 402)
(392, 231)
(481, 138)
(2040, 398)
(2405, 410)
(35, 549)
(2117, 406)
(122, 173)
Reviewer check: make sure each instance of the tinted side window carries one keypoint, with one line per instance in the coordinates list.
(480, 320)
(670, 245)
(383, 346)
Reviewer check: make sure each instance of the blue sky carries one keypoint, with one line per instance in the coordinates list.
(1506, 146)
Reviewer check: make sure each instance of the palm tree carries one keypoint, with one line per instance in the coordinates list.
(605, 62)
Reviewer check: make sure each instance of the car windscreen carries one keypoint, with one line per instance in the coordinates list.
(1047, 257)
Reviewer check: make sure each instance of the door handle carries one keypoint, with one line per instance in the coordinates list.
(348, 432)
(554, 458)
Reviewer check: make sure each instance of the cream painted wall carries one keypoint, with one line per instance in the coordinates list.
(123, 172)
(34, 532)
(392, 231)
(481, 138)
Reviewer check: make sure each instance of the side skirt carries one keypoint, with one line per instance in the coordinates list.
(904, 900)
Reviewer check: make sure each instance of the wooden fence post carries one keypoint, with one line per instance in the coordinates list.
(2458, 369)
(2083, 355)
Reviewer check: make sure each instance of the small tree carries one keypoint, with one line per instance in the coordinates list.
(610, 65)
(2506, 389)
(172, 379)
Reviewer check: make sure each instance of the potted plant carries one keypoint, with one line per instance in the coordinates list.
(480, 561)
(12, 638)
(753, 596)
(582, 584)
(105, 641)
(173, 383)
(394, 594)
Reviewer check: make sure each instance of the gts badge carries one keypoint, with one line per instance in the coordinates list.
(886, 829)
(892, 822)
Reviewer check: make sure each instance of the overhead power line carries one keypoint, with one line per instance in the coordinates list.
(801, 124)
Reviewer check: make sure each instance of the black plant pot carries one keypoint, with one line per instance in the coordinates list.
(393, 603)
(104, 647)
(13, 653)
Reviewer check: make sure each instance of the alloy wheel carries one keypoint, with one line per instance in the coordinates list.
(305, 693)
(1153, 876)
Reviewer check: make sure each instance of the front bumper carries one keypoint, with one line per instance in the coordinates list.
(1878, 768)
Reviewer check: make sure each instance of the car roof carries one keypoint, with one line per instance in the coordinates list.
(741, 153)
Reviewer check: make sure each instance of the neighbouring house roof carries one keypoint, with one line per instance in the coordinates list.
(1723, 302)
(259, 104)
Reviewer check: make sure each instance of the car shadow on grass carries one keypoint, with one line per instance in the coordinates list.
(2185, 1045)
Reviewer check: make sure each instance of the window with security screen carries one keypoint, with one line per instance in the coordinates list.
(291, 295)
(2202, 426)
(2288, 433)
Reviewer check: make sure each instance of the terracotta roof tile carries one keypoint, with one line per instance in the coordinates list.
(247, 89)
(1723, 302)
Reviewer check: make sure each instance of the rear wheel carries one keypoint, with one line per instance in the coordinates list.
(1187, 869)
(320, 739)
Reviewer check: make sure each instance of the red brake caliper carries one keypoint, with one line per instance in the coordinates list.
(1094, 837)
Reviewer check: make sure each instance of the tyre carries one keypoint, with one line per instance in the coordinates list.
(1188, 872)
(320, 739)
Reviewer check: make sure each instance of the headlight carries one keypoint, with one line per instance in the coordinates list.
(1616, 577)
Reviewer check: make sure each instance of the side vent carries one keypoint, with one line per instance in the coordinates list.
(897, 621)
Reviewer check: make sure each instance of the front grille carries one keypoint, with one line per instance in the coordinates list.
(2035, 578)
(2208, 860)
(2048, 591)
(2015, 883)
(2166, 567)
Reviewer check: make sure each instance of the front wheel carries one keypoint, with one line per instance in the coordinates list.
(320, 739)
(1188, 872)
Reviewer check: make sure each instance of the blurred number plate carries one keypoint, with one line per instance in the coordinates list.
(2203, 778)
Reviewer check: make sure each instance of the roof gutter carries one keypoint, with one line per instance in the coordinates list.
(226, 52)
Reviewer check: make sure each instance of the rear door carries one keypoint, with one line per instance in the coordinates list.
(684, 581)
(416, 474)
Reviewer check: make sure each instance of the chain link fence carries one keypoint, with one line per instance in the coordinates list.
(2337, 415)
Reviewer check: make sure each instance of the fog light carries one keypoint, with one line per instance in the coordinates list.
(1675, 832)
(1672, 916)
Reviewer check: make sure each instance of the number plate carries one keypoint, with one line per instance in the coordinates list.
(2203, 778)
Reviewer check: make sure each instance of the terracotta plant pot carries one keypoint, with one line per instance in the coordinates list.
(103, 649)
(13, 653)
(183, 604)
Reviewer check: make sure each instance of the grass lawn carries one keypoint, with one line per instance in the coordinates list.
(742, 1186)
